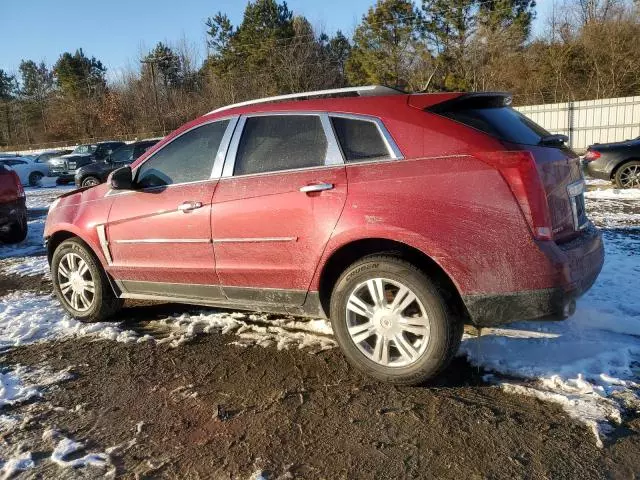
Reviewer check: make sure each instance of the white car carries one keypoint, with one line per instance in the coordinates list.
(30, 172)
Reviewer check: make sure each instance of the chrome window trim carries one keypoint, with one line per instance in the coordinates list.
(233, 120)
(333, 156)
(392, 147)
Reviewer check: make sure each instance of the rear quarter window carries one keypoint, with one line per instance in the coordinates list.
(504, 123)
(360, 140)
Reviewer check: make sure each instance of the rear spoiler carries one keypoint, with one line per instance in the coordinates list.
(461, 101)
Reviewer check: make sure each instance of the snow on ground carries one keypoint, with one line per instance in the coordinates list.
(590, 363)
(32, 245)
(613, 194)
(47, 192)
(25, 266)
(27, 318)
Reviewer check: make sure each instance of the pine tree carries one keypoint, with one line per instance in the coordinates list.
(79, 76)
(387, 45)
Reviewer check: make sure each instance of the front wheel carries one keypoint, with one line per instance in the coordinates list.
(628, 175)
(90, 181)
(81, 284)
(35, 178)
(391, 322)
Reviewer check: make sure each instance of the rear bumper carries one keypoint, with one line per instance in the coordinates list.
(578, 263)
(599, 169)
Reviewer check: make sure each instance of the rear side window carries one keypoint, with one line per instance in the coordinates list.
(188, 158)
(504, 123)
(360, 140)
(280, 142)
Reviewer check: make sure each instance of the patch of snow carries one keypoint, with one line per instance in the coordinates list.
(42, 196)
(16, 464)
(66, 446)
(613, 194)
(32, 245)
(253, 329)
(597, 182)
(588, 363)
(27, 318)
(25, 266)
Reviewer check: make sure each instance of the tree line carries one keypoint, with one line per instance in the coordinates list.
(586, 51)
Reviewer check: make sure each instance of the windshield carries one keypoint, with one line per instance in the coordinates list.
(123, 155)
(84, 149)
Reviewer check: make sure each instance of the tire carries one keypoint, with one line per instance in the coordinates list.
(628, 175)
(412, 357)
(102, 302)
(90, 181)
(35, 178)
(17, 232)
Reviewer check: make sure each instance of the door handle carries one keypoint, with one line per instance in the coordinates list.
(188, 206)
(318, 187)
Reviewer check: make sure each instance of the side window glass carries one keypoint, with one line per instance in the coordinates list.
(188, 158)
(360, 140)
(280, 142)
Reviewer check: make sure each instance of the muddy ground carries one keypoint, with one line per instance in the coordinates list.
(210, 409)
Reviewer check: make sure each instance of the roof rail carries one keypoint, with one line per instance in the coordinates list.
(367, 91)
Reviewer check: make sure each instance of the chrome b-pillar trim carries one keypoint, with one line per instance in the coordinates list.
(104, 243)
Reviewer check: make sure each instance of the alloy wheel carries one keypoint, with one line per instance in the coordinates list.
(387, 322)
(90, 182)
(630, 176)
(76, 282)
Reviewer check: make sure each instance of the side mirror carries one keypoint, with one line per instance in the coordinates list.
(121, 179)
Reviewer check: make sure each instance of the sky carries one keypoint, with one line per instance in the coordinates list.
(118, 31)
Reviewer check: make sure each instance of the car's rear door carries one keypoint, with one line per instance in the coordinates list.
(159, 234)
(280, 197)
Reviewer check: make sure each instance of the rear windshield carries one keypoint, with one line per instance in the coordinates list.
(504, 123)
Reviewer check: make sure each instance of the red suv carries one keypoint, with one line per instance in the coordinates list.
(400, 217)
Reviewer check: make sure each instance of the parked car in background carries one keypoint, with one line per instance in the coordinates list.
(65, 166)
(29, 172)
(13, 209)
(618, 162)
(44, 157)
(399, 217)
(95, 173)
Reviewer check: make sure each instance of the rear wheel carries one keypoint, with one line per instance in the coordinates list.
(628, 175)
(16, 232)
(81, 284)
(35, 178)
(391, 321)
(90, 181)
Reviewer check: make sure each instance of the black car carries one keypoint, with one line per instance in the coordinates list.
(95, 173)
(618, 162)
(65, 166)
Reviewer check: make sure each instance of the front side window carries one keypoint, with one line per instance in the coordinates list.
(360, 140)
(280, 142)
(188, 158)
(123, 155)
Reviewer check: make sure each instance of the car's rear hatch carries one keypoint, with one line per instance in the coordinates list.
(558, 166)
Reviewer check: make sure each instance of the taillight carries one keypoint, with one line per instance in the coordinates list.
(592, 155)
(521, 174)
(18, 183)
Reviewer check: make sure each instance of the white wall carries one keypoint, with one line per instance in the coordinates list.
(594, 121)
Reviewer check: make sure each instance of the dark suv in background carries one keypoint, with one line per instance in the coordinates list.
(618, 162)
(95, 173)
(65, 166)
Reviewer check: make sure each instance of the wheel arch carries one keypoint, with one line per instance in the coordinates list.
(355, 250)
(618, 165)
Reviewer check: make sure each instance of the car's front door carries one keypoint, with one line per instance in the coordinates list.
(159, 234)
(280, 197)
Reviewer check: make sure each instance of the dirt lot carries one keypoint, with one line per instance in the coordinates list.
(214, 410)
